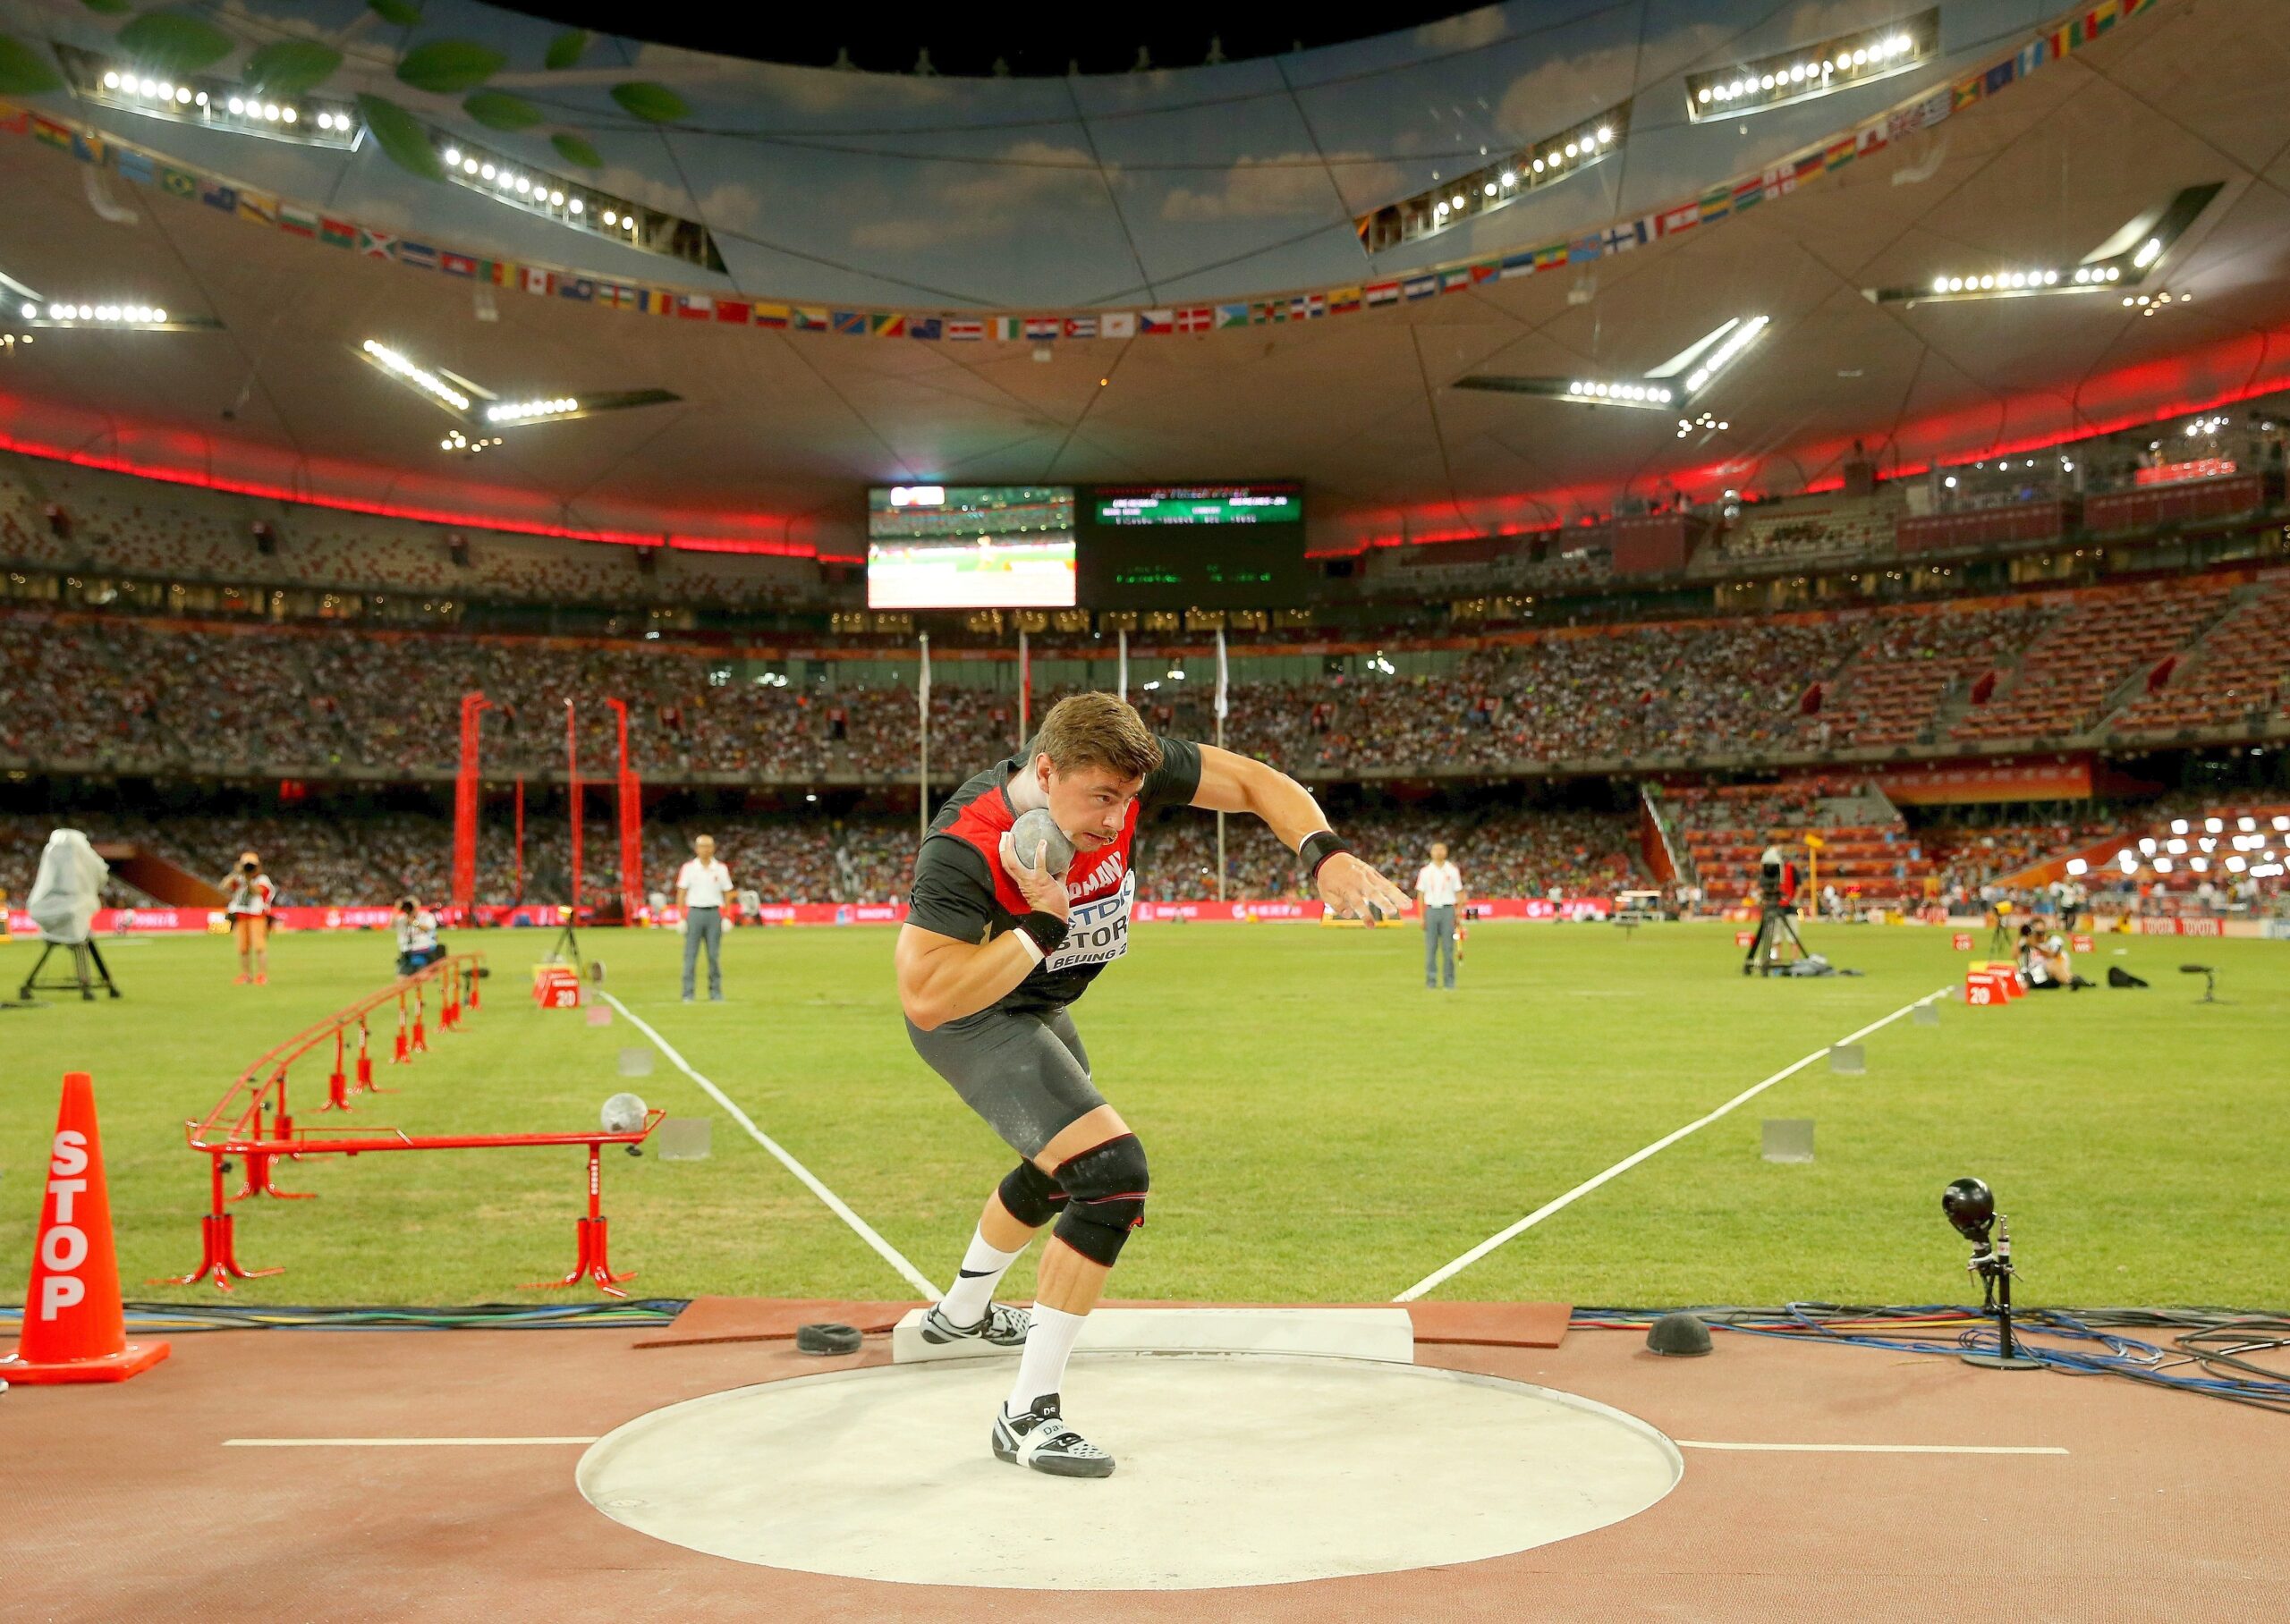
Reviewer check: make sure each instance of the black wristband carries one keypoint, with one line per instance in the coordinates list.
(1047, 930)
(1317, 848)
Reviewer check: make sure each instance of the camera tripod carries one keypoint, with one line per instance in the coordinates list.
(1993, 1265)
(77, 978)
(1776, 945)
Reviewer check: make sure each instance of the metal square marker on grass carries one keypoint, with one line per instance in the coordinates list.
(1927, 1015)
(599, 1015)
(636, 1062)
(1846, 1059)
(685, 1138)
(1788, 1140)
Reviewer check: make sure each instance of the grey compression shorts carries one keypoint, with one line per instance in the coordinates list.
(1026, 1073)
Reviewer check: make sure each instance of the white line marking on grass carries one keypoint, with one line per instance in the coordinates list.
(1876, 1449)
(1439, 1276)
(884, 1249)
(383, 1443)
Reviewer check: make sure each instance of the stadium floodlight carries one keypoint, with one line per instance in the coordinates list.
(211, 102)
(27, 306)
(2122, 261)
(1498, 183)
(533, 411)
(1760, 84)
(458, 397)
(421, 379)
(1660, 389)
(506, 179)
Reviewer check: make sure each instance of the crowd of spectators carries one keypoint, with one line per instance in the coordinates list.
(333, 859)
(169, 698)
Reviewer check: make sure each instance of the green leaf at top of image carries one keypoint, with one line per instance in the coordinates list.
(402, 137)
(655, 104)
(24, 71)
(576, 149)
(109, 8)
(449, 67)
(292, 67)
(171, 41)
(499, 110)
(405, 13)
(565, 50)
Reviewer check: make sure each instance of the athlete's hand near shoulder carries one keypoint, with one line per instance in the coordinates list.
(1045, 892)
(1350, 888)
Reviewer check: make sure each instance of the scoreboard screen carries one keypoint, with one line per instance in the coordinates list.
(1193, 547)
(1198, 505)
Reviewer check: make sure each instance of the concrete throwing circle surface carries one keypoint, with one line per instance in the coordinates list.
(1247, 1469)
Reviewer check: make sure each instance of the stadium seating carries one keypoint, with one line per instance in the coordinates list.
(2064, 683)
(2240, 674)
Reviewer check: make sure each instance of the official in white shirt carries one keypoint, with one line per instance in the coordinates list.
(702, 886)
(1440, 887)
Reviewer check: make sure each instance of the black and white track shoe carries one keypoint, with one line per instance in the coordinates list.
(1040, 1439)
(1000, 1325)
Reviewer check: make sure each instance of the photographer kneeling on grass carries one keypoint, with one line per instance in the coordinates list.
(417, 946)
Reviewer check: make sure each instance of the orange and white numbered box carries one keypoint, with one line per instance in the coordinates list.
(2081, 945)
(1961, 942)
(557, 986)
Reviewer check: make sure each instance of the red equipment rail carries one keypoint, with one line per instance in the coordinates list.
(252, 1121)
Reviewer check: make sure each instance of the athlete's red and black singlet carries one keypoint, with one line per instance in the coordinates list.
(962, 891)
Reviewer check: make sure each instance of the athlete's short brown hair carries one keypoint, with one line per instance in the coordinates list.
(1098, 730)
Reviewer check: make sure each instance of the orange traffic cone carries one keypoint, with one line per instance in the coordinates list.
(73, 1331)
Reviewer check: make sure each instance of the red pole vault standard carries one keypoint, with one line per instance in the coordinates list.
(465, 805)
(632, 824)
(573, 781)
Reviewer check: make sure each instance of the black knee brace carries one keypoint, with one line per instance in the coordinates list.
(1107, 1188)
(1031, 1196)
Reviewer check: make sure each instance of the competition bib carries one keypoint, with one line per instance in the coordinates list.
(1097, 933)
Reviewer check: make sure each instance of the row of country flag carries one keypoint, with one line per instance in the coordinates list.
(1720, 202)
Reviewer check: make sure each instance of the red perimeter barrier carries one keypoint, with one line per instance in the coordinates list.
(252, 1121)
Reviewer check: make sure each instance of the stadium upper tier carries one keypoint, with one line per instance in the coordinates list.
(2174, 660)
(2166, 494)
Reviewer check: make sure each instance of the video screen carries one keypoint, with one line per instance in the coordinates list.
(953, 547)
(981, 574)
(927, 513)
(1141, 505)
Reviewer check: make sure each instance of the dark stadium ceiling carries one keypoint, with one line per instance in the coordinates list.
(776, 432)
(1024, 41)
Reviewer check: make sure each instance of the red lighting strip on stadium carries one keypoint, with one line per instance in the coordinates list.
(421, 515)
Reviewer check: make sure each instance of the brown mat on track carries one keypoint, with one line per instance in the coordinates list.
(764, 1319)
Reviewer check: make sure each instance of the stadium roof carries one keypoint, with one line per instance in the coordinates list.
(777, 430)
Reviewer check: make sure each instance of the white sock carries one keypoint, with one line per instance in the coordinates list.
(1041, 1368)
(983, 1266)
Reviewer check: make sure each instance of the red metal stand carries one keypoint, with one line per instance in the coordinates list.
(365, 1060)
(592, 1241)
(337, 1085)
(398, 1054)
(217, 1249)
(420, 1007)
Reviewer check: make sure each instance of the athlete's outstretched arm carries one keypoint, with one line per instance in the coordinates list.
(1239, 783)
